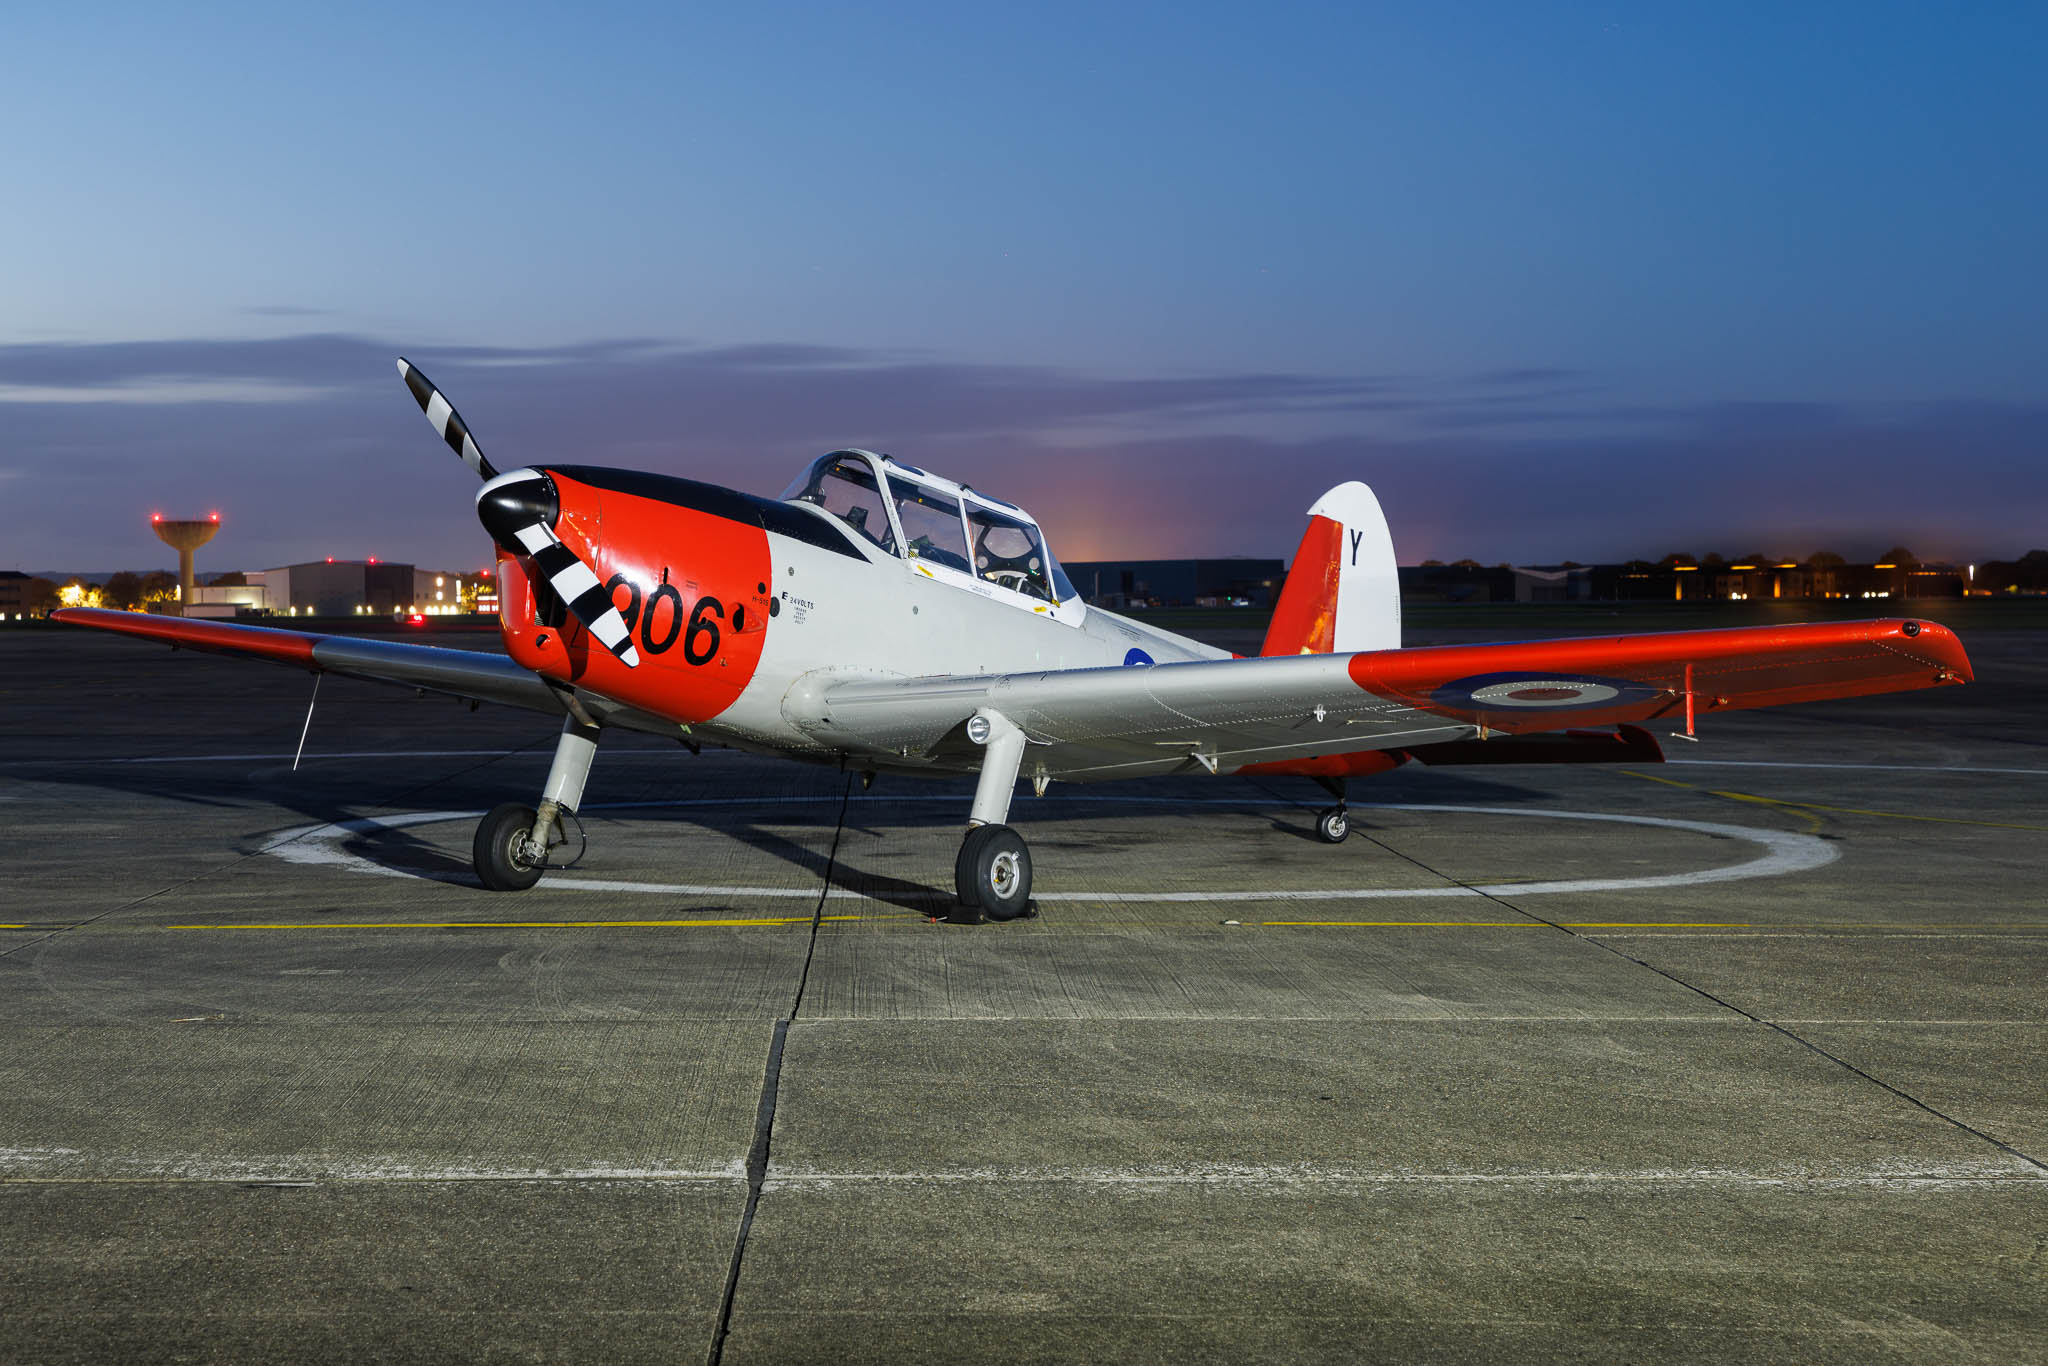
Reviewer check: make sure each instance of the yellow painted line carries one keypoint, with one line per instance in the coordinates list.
(1813, 822)
(1520, 924)
(1803, 808)
(1655, 924)
(518, 924)
(1888, 815)
(1651, 777)
(1415, 924)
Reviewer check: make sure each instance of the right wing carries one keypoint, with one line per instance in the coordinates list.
(1223, 715)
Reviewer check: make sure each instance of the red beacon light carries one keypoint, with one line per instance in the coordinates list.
(330, 559)
(373, 559)
(213, 516)
(156, 516)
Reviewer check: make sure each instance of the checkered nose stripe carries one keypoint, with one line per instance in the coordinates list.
(446, 422)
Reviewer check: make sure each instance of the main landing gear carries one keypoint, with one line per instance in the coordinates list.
(1333, 823)
(512, 841)
(992, 875)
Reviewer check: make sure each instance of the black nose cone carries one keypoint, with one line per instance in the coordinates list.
(506, 508)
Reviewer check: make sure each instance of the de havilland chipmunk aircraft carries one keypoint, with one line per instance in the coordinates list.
(884, 619)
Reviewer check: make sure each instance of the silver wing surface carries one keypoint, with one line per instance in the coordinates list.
(1220, 715)
(472, 674)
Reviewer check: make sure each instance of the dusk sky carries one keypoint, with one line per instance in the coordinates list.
(1588, 281)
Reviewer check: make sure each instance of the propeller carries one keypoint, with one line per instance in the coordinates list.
(446, 422)
(520, 508)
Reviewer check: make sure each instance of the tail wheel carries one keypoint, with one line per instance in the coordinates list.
(993, 872)
(1333, 825)
(500, 853)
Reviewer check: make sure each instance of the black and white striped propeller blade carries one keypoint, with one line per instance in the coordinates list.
(446, 422)
(519, 509)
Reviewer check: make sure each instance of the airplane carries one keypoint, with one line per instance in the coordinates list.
(881, 618)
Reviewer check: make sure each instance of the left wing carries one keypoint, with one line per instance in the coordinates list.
(460, 673)
(1223, 715)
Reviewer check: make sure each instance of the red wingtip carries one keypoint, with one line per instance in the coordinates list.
(1932, 638)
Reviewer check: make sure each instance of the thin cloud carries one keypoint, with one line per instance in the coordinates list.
(311, 447)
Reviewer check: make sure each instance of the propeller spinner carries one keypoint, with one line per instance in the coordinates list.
(519, 508)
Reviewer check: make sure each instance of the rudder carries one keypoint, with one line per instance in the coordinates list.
(1343, 591)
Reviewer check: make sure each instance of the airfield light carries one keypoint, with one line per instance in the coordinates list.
(156, 516)
(330, 559)
(213, 516)
(373, 559)
(1884, 566)
(1742, 566)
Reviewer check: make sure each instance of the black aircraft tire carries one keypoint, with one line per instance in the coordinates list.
(1001, 865)
(498, 835)
(1333, 825)
(963, 866)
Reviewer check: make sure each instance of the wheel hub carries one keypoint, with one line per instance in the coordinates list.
(1002, 874)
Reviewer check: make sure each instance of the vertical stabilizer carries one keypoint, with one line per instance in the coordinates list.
(1343, 592)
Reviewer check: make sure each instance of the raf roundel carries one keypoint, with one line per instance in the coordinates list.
(1541, 692)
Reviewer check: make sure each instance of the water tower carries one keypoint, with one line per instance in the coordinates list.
(185, 537)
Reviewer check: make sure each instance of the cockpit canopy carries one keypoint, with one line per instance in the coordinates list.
(903, 511)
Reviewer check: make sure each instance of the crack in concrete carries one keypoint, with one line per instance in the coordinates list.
(1772, 1025)
(771, 1088)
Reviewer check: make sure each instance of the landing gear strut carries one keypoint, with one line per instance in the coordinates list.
(992, 875)
(512, 841)
(1333, 823)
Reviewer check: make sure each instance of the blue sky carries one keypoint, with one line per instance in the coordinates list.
(1574, 280)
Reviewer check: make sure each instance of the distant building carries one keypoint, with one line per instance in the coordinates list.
(334, 588)
(1640, 581)
(1553, 583)
(14, 593)
(1463, 582)
(1232, 581)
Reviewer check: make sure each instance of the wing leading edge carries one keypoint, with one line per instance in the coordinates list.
(460, 673)
(1223, 715)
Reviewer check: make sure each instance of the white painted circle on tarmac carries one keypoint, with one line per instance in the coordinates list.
(1779, 852)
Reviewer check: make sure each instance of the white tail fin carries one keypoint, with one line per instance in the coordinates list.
(1343, 592)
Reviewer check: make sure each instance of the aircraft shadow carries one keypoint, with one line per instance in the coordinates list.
(322, 797)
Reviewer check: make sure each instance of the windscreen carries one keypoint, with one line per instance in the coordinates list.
(844, 486)
(931, 524)
(1010, 553)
